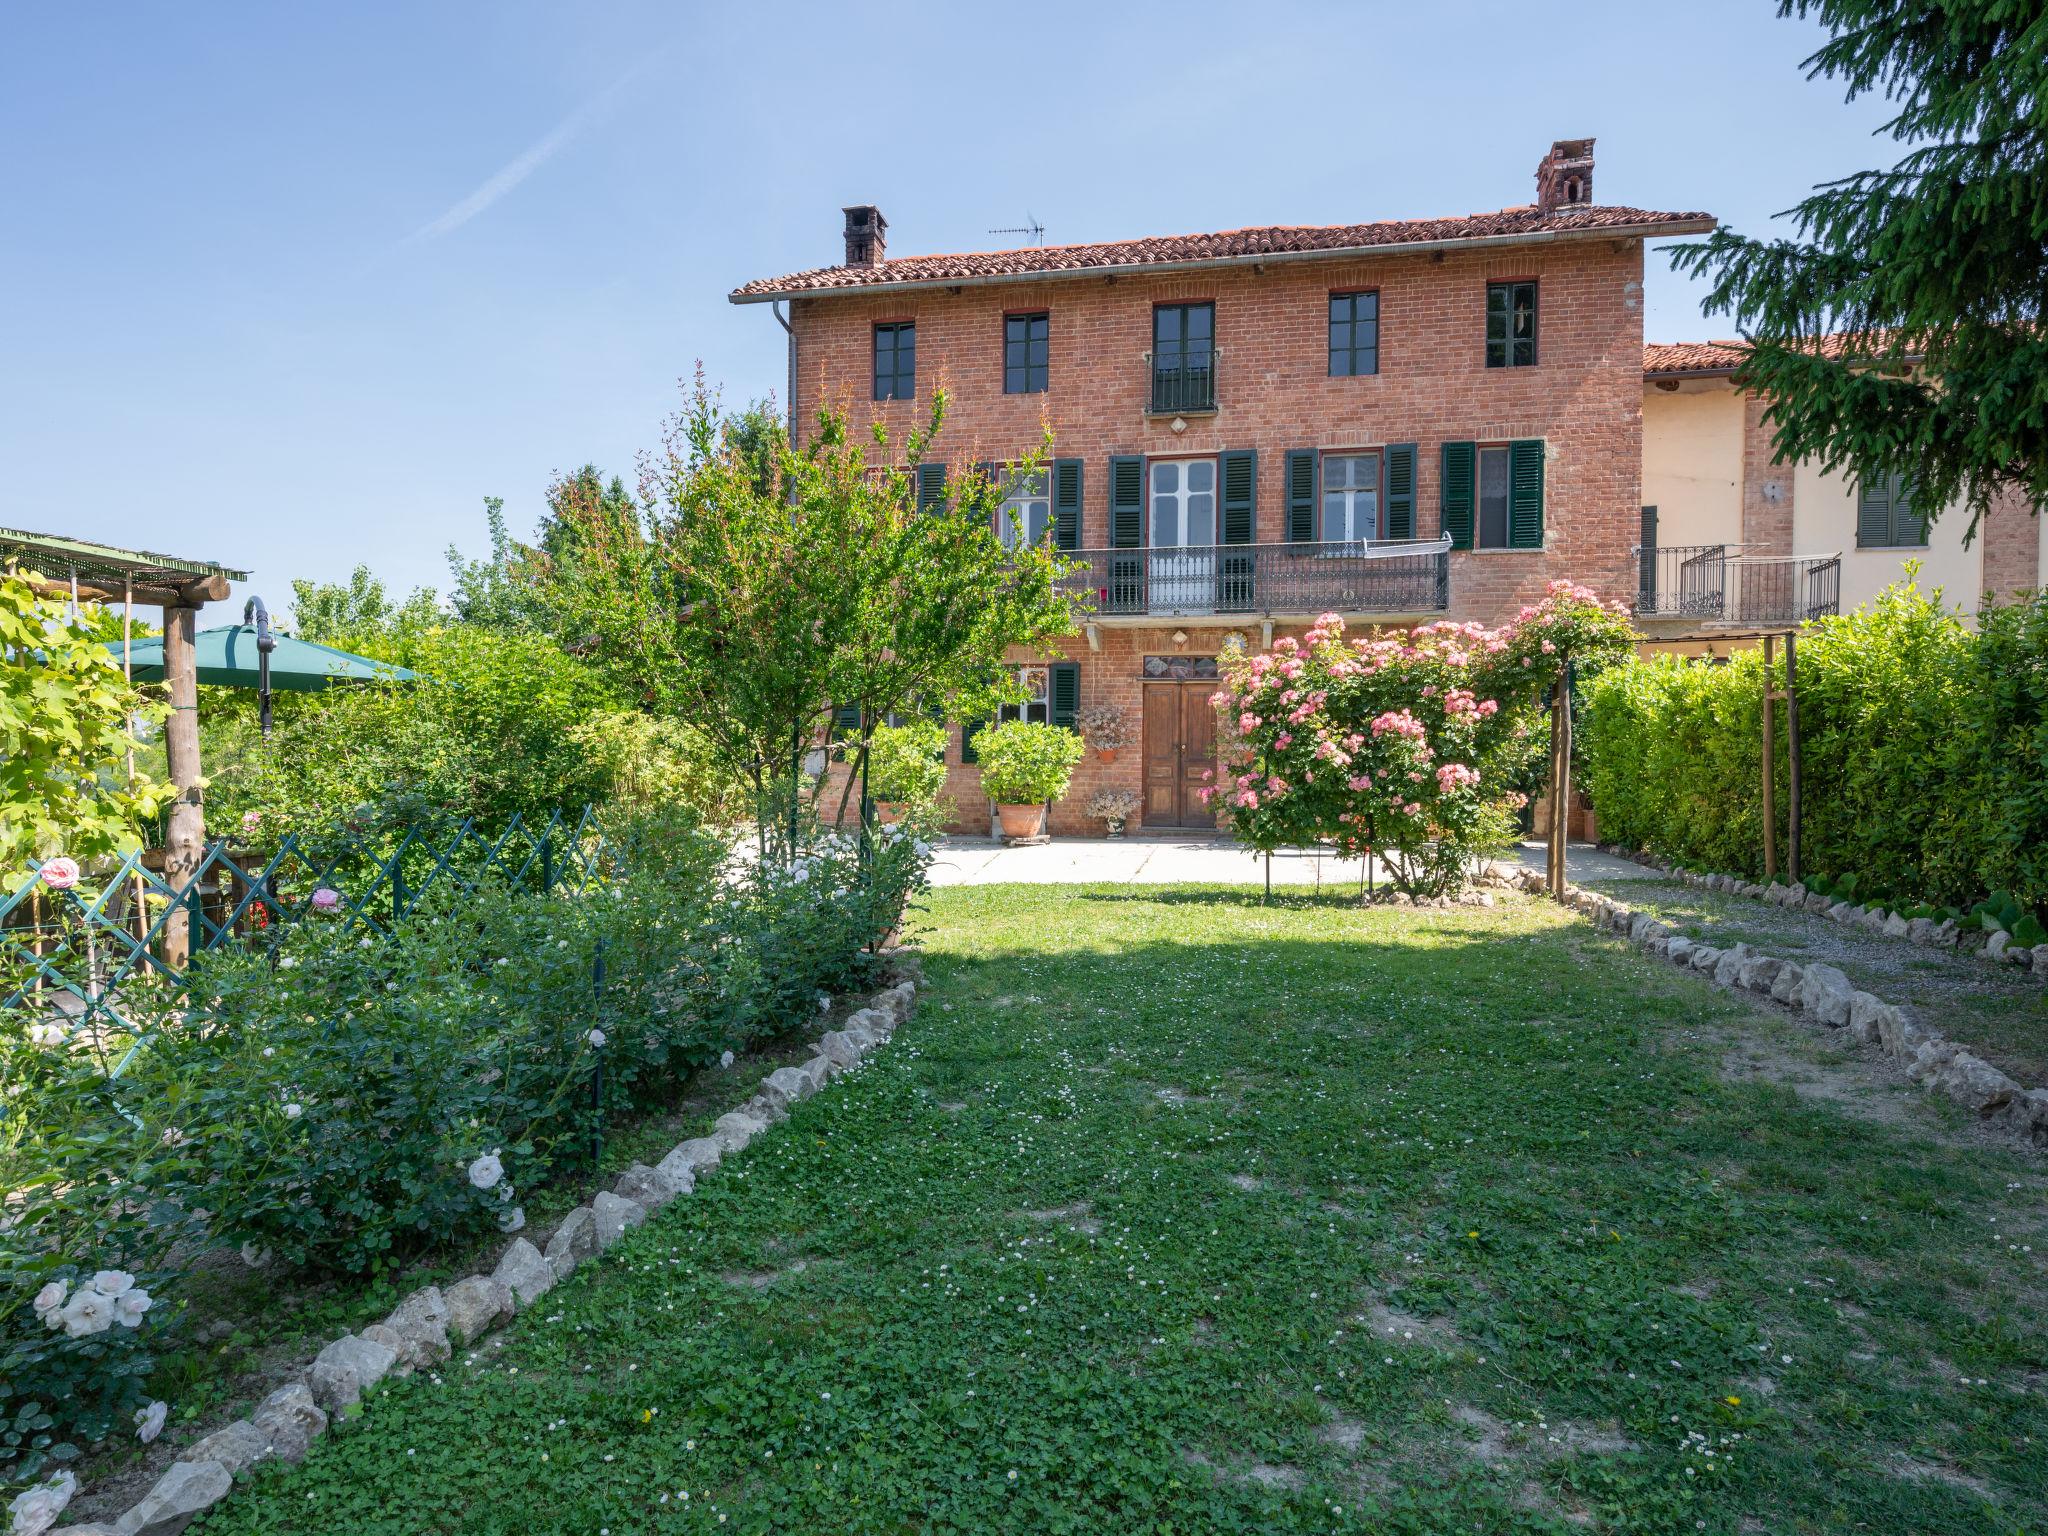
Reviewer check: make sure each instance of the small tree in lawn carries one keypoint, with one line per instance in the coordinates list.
(760, 585)
(1402, 746)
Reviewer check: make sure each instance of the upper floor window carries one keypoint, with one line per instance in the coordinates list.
(1885, 515)
(1024, 353)
(1354, 334)
(1025, 515)
(1351, 497)
(896, 360)
(1184, 357)
(1511, 325)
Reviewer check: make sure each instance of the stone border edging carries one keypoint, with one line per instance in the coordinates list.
(1947, 934)
(427, 1328)
(1821, 990)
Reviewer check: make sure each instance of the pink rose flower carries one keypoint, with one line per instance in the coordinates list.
(60, 873)
(326, 899)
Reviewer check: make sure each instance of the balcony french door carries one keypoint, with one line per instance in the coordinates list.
(1182, 562)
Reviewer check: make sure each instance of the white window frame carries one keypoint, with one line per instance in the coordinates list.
(1351, 495)
(1030, 496)
(1038, 707)
(1180, 495)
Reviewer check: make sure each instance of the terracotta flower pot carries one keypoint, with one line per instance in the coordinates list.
(1106, 754)
(1021, 820)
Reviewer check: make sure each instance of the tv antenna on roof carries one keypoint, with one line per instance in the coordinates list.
(1030, 227)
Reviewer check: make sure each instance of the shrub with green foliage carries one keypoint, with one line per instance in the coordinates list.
(907, 763)
(1024, 763)
(1924, 746)
(341, 1098)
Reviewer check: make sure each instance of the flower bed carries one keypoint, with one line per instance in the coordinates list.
(337, 1104)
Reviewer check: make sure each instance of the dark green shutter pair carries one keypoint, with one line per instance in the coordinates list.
(1238, 470)
(1459, 493)
(1063, 697)
(1885, 518)
(1398, 492)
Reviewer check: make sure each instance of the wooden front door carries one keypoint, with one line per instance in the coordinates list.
(1180, 747)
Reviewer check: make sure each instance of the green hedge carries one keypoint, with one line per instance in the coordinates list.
(1925, 752)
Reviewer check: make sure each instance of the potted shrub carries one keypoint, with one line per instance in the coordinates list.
(1023, 765)
(1105, 728)
(906, 767)
(1113, 807)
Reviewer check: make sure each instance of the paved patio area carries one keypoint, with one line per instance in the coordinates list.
(1164, 860)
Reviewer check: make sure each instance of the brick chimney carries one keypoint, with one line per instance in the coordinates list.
(867, 232)
(1564, 177)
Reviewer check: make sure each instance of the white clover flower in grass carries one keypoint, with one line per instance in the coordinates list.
(485, 1172)
(149, 1422)
(37, 1510)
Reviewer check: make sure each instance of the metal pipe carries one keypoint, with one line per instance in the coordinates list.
(775, 308)
(253, 612)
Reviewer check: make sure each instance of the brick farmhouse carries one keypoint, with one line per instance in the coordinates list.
(1396, 421)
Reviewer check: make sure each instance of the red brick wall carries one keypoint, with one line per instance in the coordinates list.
(2012, 547)
(1766, 485)
(1274, 393)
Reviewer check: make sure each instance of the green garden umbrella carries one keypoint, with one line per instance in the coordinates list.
(252, 655)
(228, 659)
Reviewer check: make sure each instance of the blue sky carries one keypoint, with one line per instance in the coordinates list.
(294, 287)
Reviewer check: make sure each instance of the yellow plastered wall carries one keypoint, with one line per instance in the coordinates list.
(1692, 462)
(1824, 520)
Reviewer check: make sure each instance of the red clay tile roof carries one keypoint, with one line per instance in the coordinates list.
(1664, 358)
(1508, 226)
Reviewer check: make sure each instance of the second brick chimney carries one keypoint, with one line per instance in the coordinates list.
(1564, 177)
(867, 232)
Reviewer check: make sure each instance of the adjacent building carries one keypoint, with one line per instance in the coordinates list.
(1396, 421)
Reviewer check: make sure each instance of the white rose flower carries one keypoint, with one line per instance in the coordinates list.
(112, 1282)
(37, 1510)
(596, 1037)
(485, 1172)
(87, 1313)
(293, 1111)
(725, 1059)
(285, 963)
(46, 1034)
(129, 1307)
(149, 1422)
(50, 1302)
(513, 1220)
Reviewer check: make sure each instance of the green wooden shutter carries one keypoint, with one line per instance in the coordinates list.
(1909, 528)
(1126, 501)
(1064, 693)
(1066, 503)
(970, 729)
(931, 486)
(1455, 492)
(1400, 490)
(1239, 471)
(846, 720)
(1525, 494)
(1301, 495)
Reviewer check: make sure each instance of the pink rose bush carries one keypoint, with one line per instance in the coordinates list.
(1407, 745)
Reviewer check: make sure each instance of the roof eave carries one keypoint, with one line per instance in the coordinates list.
(1395, 248)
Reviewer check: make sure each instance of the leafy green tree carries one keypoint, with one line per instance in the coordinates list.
(1943, 257)
(64, 711)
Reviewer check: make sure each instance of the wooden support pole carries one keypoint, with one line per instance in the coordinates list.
(1563, 815)
(1792, 863)
(1770, 763)
(185, 839)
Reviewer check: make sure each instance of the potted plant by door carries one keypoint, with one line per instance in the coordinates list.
(1113, 807)
(906, 767)
(1024, 765)
(1105, 728)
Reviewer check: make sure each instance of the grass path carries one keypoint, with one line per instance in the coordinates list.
(1175, 1213)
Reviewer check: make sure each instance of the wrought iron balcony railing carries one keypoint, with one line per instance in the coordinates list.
(1182, 382)
(1401, 576)
(1720, 583)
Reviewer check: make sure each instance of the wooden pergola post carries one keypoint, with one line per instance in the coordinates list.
(185, 835)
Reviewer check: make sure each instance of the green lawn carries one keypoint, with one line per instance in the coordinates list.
(1171, 1212)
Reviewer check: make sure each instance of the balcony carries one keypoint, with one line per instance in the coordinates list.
(1399, 576)
(1721, 584)
(1183, 383)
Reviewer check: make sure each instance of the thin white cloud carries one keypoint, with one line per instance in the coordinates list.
(511, 175)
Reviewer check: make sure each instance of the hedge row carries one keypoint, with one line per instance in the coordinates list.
(1925, 761)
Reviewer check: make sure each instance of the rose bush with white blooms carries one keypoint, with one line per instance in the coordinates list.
(338, 1098)
(1407, 746)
